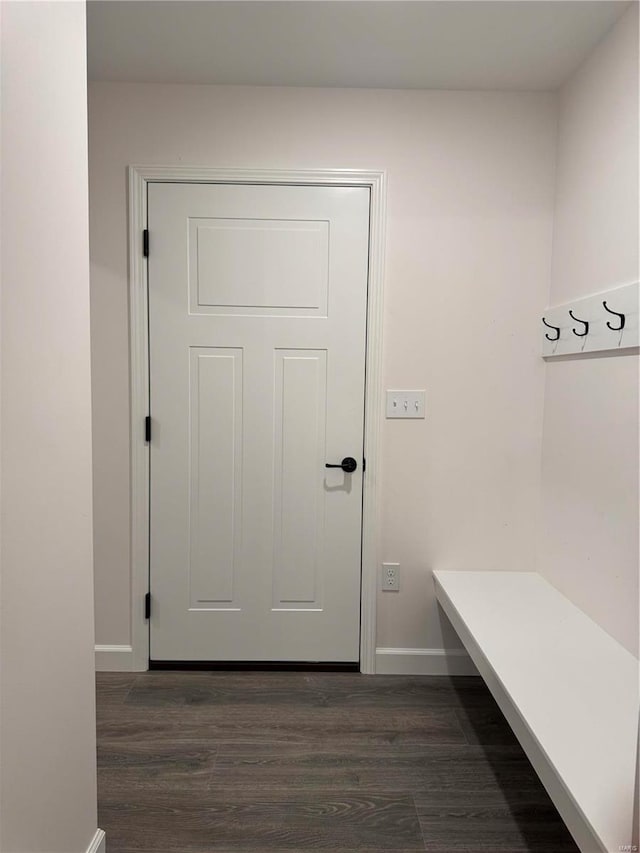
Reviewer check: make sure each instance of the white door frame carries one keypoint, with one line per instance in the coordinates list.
(139, 177)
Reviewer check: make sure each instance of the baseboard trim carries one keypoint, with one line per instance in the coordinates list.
(424, 662)
(391, 661)
(114, 659)
(98, 843)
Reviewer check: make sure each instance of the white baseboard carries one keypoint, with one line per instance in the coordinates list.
(424, 662)
(114, 659)
(388, 661)
(98, 843)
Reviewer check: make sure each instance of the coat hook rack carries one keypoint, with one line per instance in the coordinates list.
(555, 328)
(592, 324)
(618, 314)
(585, 323)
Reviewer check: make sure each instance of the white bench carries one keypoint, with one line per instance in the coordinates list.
(568, 690)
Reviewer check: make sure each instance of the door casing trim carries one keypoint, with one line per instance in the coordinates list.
(139, 178)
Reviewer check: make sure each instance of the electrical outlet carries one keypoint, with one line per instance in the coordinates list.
(390, 577)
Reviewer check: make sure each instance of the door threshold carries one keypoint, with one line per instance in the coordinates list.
(274, 666)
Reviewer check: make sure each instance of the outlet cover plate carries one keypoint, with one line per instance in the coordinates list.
(390, 579)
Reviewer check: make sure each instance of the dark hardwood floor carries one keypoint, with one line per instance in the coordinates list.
(194, 762)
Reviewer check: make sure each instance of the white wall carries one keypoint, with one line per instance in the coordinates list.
(47, 714)
(590, 451)
(470, 197)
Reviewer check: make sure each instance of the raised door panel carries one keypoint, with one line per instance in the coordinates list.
(215, 511)
(299, 448)
(258, 266)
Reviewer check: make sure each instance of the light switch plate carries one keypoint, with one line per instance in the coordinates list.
(405, 404)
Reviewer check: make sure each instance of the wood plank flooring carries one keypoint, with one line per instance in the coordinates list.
(239, 762)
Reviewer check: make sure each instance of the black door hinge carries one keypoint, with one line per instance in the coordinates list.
(145, 242)
(147, 429)
(364, 465)
(147, 606)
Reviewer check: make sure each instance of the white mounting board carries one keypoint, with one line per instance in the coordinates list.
(590, 308)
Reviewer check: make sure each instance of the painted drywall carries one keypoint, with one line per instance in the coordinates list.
(47, 713)
(590, 448)
(469, 218)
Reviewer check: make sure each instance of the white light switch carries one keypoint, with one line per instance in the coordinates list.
(405, 404)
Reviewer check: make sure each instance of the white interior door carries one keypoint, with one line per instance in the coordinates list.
(257, 322)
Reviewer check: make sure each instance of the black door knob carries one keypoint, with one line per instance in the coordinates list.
(348, 465)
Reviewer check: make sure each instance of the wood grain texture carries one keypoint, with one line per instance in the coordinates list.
(351, 820)
(520, 829)
(486, 726)
(112, 687)
(171, 765)
(394, 691)
(278, 724)
(197, 762)
(433, 775)
(171, 689)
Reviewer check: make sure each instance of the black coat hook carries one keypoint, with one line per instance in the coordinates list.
(618, 314)
(549, 326)
(585, 323)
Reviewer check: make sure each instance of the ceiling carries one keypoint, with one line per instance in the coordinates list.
(522, 45)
